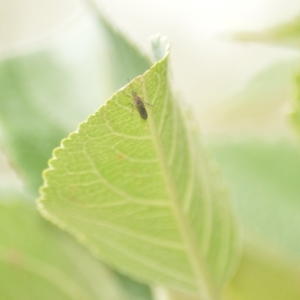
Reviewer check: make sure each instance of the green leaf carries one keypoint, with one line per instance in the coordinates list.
(264, 180)
(37, 261)
(261, 107)
(286, 35)
(30, 129)
(263, 275)
(295, 117)
(46, 93)
(264, 177)
(143, 195)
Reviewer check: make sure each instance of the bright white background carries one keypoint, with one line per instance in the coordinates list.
(207, 67)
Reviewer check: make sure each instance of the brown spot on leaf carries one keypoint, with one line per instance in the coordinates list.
(120, 157)
(13, 257)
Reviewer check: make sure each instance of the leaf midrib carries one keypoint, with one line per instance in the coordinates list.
(204, 290)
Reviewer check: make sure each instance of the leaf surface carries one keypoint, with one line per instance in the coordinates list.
(262, 274)
(46, 93)
(37, 261)
(295, 117)
(144, 195)
(260, 108)
(267, 193)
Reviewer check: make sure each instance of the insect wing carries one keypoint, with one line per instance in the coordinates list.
(140, 106)
(142, 111)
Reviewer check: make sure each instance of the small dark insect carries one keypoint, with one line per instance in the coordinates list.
(140, 104)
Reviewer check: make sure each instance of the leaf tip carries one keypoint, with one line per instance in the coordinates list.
(160, 46)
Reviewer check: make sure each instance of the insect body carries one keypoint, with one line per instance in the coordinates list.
(138, 102)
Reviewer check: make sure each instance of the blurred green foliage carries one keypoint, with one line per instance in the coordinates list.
(44, 96)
